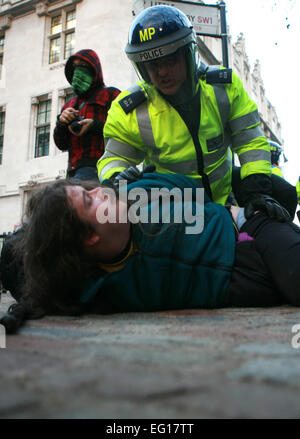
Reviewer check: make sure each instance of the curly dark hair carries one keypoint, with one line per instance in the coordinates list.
(55, 264)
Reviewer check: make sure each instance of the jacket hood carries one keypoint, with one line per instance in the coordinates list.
(90, 57)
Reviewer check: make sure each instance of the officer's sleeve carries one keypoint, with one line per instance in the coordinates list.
(123, 143)
(248, 140)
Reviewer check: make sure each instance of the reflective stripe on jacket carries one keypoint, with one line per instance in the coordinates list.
(155, 133)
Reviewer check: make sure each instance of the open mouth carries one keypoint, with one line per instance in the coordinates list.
(167, 82)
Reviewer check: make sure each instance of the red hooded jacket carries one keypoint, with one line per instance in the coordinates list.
(87, 149)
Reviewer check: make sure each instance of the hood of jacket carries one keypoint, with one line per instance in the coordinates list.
(91, 57)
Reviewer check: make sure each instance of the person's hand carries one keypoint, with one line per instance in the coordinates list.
(86, 125)
(68, 115)
(14, 318)
(266, 205)
(132, 174)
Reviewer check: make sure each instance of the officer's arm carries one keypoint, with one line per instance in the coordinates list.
(117, 157)
(248, 140)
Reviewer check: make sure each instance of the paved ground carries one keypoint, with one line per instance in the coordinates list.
(192, 364)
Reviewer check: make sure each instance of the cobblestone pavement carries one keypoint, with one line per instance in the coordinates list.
(191, 364)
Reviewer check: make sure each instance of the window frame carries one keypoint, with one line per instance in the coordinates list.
(39, 126)
(61, 35)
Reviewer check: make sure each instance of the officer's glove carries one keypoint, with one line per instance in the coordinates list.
(267, 205)
(133, 174)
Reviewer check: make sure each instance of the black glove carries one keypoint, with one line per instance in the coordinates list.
(267, 205)
(252, 185)
(133, 174)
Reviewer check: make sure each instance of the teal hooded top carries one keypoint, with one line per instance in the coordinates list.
(170, 268)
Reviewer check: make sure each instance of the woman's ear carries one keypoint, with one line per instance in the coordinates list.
(91, 240)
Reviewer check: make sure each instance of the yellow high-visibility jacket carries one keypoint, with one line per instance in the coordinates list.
(154, 132)
(277, 171)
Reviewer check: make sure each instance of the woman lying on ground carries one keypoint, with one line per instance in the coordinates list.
(78, 262)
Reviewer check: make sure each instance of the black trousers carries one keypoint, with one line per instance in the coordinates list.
(267, 269)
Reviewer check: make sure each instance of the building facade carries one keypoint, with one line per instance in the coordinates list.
(254, 85)
(36, 38)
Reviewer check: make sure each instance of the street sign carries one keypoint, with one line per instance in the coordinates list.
(204, 18)
(207, 20)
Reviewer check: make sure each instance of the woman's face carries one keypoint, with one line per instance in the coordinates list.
(98, 207)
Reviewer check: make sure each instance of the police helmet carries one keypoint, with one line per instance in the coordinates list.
(160, 31)
(276, 150)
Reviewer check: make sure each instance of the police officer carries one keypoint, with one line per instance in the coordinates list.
(184, 116)
(276, 151)
(298, 197)
(298, 190)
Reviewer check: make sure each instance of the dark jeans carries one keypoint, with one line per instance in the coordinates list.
(85, 173)
(267, 269)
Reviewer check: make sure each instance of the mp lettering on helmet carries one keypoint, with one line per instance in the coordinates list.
(147, 34)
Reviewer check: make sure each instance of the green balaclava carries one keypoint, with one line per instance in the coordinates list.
(82, 80)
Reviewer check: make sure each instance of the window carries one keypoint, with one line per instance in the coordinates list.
(42, 136)
(64, 96)
(69, 94)
(62, 36)
(2, 121)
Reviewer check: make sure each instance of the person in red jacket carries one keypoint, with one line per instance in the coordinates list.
(79, 127)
